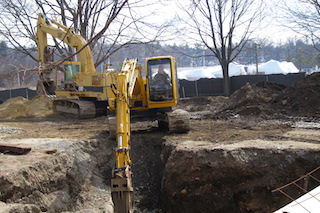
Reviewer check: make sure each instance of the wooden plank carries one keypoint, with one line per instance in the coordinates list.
(14, 149)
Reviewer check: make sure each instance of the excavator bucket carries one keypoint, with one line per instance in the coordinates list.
(122, 192)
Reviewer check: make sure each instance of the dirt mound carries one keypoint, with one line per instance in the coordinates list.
(303, 98)
(20, 107)
(252, 100)
(39, 106)
(268, 99)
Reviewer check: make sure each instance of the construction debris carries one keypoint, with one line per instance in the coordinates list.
(14, 149)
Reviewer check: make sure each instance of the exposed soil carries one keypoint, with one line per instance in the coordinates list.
(303, 98)
(266, 100)
(238, 150)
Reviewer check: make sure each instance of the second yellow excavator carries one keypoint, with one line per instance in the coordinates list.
(129, 93)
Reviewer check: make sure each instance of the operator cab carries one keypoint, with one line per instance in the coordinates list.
(160, 79)
(70, 68)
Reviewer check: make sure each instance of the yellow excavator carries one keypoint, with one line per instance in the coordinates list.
(131, 95)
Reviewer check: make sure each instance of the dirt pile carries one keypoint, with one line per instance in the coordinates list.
(19, 107)
(303, 98)
(254, 100)
(270, 100)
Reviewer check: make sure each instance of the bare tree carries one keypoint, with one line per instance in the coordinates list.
(224, 27)
(17, 25)
(302, 17)
(108, 25)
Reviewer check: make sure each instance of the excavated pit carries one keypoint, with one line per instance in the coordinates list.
(171, 172)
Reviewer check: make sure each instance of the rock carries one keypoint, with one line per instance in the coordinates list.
(284, 102)
(183, 191)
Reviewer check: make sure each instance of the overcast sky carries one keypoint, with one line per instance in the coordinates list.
(272, 27)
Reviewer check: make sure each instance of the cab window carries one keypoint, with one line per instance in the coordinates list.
(160, 80)
(70, 70)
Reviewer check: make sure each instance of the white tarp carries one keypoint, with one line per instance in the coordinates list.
(270, 67)
(276, 67)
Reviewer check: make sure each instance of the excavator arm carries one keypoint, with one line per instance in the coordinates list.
(121, 183)
(66, 35)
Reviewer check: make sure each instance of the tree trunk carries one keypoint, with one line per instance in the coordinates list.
(226, 79)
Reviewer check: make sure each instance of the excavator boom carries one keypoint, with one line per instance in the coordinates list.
(66, 35)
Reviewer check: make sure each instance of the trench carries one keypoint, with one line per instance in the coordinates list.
(147, 167)
(168, 176)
